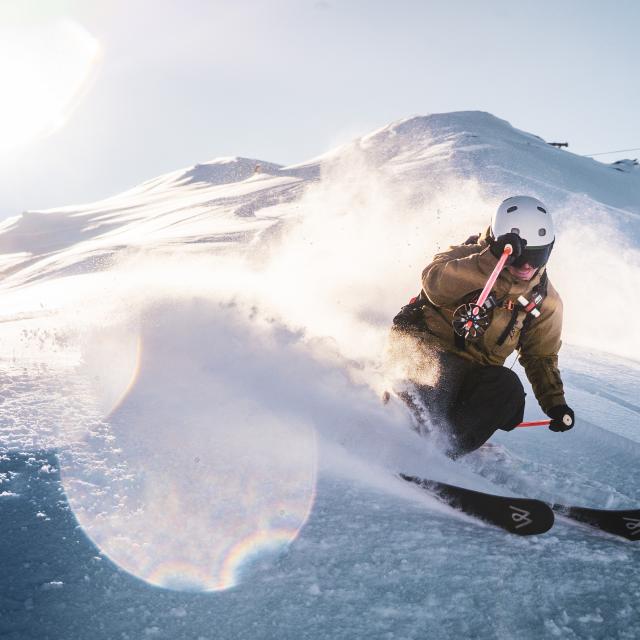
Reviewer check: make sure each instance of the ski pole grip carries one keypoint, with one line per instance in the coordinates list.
(508, 249)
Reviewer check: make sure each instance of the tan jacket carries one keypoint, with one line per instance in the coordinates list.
(455, 276)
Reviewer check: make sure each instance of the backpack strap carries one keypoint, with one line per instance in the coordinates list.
(509, 328)
(541, 290)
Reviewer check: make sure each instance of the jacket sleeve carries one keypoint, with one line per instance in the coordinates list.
(539, 347)
(457, 272)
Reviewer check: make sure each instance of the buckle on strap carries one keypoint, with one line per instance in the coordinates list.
(531, 306)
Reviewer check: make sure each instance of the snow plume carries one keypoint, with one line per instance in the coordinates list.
(354, 251)
(225, 380)
(354, 254)
(596, 269)
(208, 458)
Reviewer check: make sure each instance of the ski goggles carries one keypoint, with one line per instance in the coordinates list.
(534, 256)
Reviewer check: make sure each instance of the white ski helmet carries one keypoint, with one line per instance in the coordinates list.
(530, 219)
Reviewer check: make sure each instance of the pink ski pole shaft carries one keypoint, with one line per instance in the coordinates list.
(535, 423)
(508, 250)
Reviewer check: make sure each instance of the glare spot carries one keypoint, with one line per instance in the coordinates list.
(44, 71)
(192, 481)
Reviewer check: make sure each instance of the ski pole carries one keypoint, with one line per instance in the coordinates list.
(471, 320)
(535, 423)
(508, 250)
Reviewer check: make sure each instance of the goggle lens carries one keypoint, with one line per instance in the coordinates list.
(534, 256)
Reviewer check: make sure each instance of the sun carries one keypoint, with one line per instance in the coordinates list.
(44, 71)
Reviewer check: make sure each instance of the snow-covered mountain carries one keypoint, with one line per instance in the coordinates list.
(360, 221)
(420, 152)
(201, 360)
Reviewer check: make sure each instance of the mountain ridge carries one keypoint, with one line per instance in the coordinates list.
(246, 195)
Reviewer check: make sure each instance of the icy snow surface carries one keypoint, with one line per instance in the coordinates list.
(192, 442)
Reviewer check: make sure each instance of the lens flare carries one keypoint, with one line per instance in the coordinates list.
(196, 476)
(251, 549)
(44, 72)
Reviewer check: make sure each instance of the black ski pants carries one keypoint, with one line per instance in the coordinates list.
(469, 401)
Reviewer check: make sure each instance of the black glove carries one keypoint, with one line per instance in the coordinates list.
(562, 418)
(517, 244)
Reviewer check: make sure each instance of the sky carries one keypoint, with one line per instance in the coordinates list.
(139, 88)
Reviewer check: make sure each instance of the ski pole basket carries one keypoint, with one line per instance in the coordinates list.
(470, 321)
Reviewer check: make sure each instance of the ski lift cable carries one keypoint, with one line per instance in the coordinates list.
(604, 153)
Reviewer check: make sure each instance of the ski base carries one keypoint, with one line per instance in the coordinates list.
(521, 516)
(625, 523)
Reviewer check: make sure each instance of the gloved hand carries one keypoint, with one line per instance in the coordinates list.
(562, 418)
(517, 243)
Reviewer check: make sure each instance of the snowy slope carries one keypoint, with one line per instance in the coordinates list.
(197, 364)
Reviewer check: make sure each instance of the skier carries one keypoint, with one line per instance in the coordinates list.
(459, 381)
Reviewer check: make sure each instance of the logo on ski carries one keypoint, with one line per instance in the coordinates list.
(521, 517)
(633, 524)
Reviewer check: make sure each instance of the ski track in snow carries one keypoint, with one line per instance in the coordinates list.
(197, 362)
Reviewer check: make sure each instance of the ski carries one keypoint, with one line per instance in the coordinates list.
(522, 516)
(625, 523)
